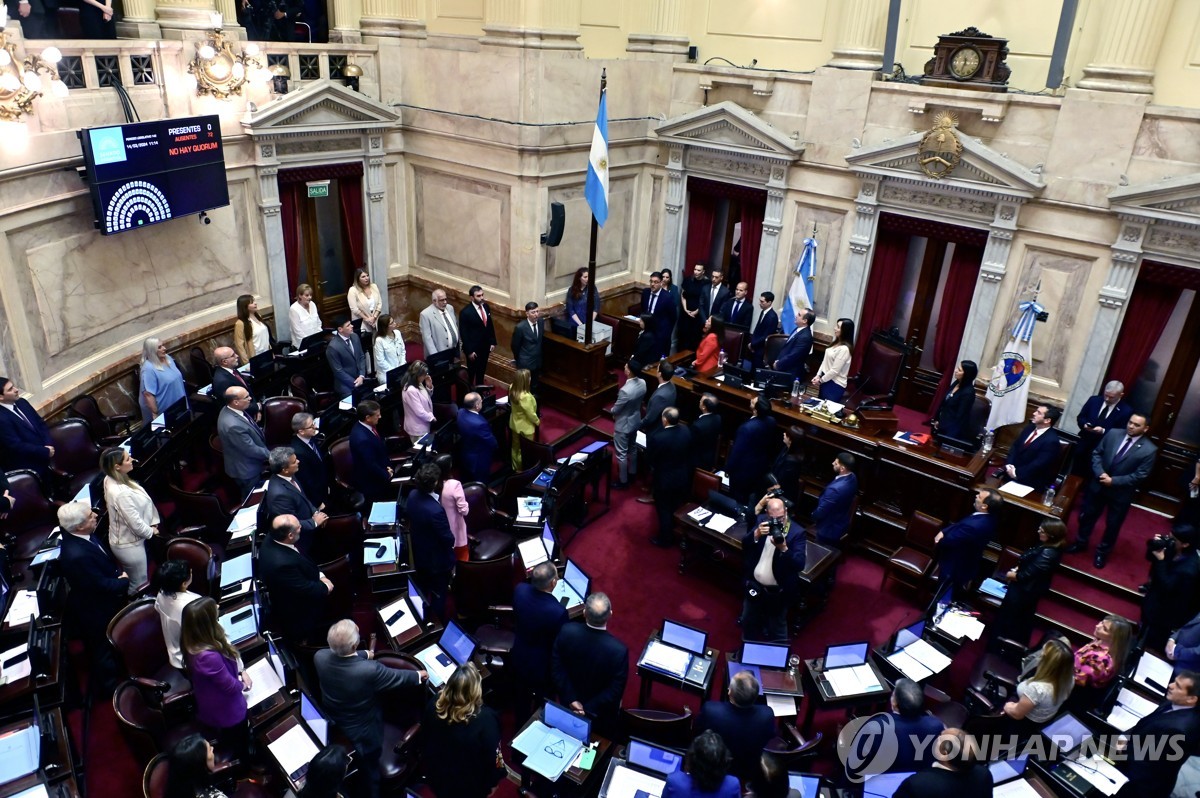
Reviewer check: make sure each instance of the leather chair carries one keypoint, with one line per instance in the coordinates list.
(341, 536)
(143, 724)
(33, 516)
(340, 603)
(199, 557)
(878, 378)
(481, 584)
(106, 430)
(534, 453)
(657, 726)
(154, 779)
(513, 487)
(734, 344)
(136, 633)
(704, 482)
(277, 419)
(952, 714)
(401, 723)
(206, 519)
(316, 400)
(487, 529)
(791, 749)
(202, 369)
(911, 563)
(343, 475)
(76, 456)
(773, 347)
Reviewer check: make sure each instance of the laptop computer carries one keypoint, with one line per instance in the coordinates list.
(765, 655)
(417, 599)
(556, 716)
(394, 376)
(807, 784)
(177, 413)
(685, 655)
(1007, 769)
(884, 785)
(441, 361)
(235, 570)
(240, 624)
(846, 655)
(144, 442)
(1067, 733)
(907, 635)
(316, 338)
(314, 718)
(573, 587)
(262, 363)
(454, 648)
(537, 550)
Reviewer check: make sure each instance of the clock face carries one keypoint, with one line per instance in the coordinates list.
(964, 63)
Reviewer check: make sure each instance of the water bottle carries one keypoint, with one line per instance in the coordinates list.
(795, 392)
(989, 439)
(1048, 497)
(721, 359)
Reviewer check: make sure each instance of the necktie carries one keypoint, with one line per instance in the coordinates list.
(449, 330)
(650, 310)
(313, 446)
(349, 345)
(737, 307)
(533, 327)
(1104, 413)
(25, 418)
(1032, 435)
(1123, 450)
(483, 315)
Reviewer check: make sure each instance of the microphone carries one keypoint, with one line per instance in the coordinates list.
(846, 401)
(1079, 764)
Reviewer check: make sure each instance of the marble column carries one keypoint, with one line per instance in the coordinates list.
(267, 169)
(1131, 35)
(138, 21)
(862, 245)
(768, 247)
(660, 33)
(187, 19)
(860, 35)
(673, 229)
(987, 287)
(533, 24)
(379, 256)
(344, 21)
(393, 19)
(1113, 299)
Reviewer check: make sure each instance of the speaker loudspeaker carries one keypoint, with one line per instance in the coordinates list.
(558, 220)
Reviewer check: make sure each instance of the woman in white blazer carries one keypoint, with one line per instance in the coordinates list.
(132, 516)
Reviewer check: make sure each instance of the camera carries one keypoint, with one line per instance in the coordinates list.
(775, 529)
(1163, 543)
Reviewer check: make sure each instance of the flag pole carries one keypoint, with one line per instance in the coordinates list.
(590, 293)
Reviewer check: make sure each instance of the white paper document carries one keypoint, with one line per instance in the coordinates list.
(1018, 788)
(667, 658)
(853, 680)
(20, 753)
(377, 551)
(928, 656)
(959, 626)
(23, 609)
(265, 681)
(245, 520)
(1129, 709)
(700, 515)
(235, 570)
(439, 665)
(346, 404)
(501, 400)
(15, 665)
(641, 439)
(1016, 489)
(382, 514)
(909, 666)
(720, 523)
(36, 791)
(1100, 773)
(399, 617)
(533, 551)
(293, 750)
(627, 782)
(1152, 669)
(784, 706)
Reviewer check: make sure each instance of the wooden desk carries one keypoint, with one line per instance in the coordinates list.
(573, 780)
(820, 692)
(649, 676)
(575, 377)
(779, 681)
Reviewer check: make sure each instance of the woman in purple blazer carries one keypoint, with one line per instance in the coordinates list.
(215, 669)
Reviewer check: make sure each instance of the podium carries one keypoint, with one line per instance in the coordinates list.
(575, 377)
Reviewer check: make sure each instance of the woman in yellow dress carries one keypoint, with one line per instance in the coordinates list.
(523, 416)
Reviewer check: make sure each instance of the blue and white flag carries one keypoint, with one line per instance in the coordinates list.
(596, 188)
(800, 294)
(1009, 389)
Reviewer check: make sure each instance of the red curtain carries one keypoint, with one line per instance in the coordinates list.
(350, 194)
(291, 206)
(702, 212)
(1149, 309)
(952, 317)
(883, 286)
(752, 220)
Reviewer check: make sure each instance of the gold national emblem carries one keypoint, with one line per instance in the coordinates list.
(941, 149)
(603, 164)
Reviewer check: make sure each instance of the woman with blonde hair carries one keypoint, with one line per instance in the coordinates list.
(215, 669)
(389, 347)
(1098, 661)
(523, 417)
(365, 302)
(161, 380)
(417, 395)
(132, 517)
(303, 317)
(1040, 696)
(462, 739)
(251, 335)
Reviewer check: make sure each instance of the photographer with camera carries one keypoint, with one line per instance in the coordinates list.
(773, 552)
(1173, 593)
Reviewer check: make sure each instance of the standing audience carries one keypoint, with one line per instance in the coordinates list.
(161, 380)
(705, 771)
(303, 317)
(432, 539)
(389, 347)
(25, 436)
(173, 578)
(454, 502)
(835, 366)
(1028, 581)
(365, 302)
(251, 335)
(461, 756)
(417, 395)
(746, 725)
(627, 417)
(523, 417)
(217, 674)
(132, 517)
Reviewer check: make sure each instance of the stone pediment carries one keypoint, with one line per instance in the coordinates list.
(729, 128)
(1173, 199)
(323, 107)
(982, 169)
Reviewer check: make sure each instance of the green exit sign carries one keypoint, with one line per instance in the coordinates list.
(318, 189)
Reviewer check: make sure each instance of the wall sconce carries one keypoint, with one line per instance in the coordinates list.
(279, 78)
(21, 81)
(350, 75)
(220, 71)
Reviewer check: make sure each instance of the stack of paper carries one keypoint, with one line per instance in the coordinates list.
(265, 682)
(382, 514)
(1129, 709)
(380, 550)
(720, 523)
(994, 588)
(20, 753)
(14, 664)
(547, 751)
(628, 783)
(244, 522)
(666, 658)
(700, 515)
(958, 626)
(784, 706)
(24, 608)
(398, 617)
(1016, 489)
(852, 680)
(529, 509)
(346, 404)
(294, 750)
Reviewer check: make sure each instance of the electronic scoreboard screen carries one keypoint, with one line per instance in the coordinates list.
(149, 172)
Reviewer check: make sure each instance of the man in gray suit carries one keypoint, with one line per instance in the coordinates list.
(439, 325)
(627, 415)
(346, 358)
(350, 686)
(242, 442)
(1120, 464)
(527, 343)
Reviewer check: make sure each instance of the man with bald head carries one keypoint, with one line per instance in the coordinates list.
(773, 552)
(242, 442)
(477, 443)
(226, 376)
(738, 309)
(744, 724)
(297, 587)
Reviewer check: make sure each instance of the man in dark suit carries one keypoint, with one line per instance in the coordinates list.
(669, 450)
(590, 666)
(748, 462)
(372, 468)
(38, 18)
(243, 444)
(911, 726)
(1099, 415)
(714, 295)
(353, 689)
(1035, 454)
(745, 725)
(538, 617)
(690, 306)
(98, 591)
(768, 325)
(313, 475)
(645, 348)
(832, 516)
(24, 437)
(477, 443)
(1120, 464)
(226, 376)
(706, 431)
(432, 540)
(286, 497)
(346, 359)
(527, 343)
(298, 590)
(793, 357)
(478, 333)
(1173, 592)
(660, 304)
(738, 310)
(960, 546)
(662, 397)
(1173, 730)
(774, 551)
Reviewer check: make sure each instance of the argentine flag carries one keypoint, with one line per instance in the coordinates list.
(799, 295)
(596, 188)
(1008, 390)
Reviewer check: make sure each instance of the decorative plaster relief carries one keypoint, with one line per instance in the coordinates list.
(830, 227)
(311, 145)
(1174, 240)
(722, 164)
(463, 226)
(955, 204)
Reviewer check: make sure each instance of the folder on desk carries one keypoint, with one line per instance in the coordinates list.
(265, 681)
(994, 588)
(378, 551)
(1128, 709)
(382, 514)
(398, 617)
(1153, 672)
(551, 746)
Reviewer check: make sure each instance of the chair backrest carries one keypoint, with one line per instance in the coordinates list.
(341, 535)
(882, 364)
(773, 347)
(202, 370)
(734, 344)
(479, 584)
(277, 419)
(535, 454)
(1066, 453)
(343, 462)
(402, 713)
(68, 23)
(480, 513)
(75, 450)
(31, 510)
(136, 634)
(154, 780)
(300, 387)
(702, 483)
(341, 598)
(657, 726)
(199, 557)
(201, 509)
(513, 487)
(141, 724)
(921, 530)
(86, 408)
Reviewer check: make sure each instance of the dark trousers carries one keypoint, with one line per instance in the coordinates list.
(665, 504)
(764, 615)
(477, 368)
(436, 587)
(1097, 499)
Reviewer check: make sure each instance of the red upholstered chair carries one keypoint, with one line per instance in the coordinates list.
(791, 749)
(878, 377)
(341, 599)
(33, 515)
(106, 430)
(143, 725)
(76, 456)
(911, 563)
(154, 780)
(773, 347)
(703, 482)
(658, 726)
(202, 370)
(199, 557)
(136, 633)
(316, 400)
(343, 475)
(514, 486)
(277, 419)
(535, 454)
(204, 517)
(401, 723)
(341, 536)
(487, 529)
(481, 584)
(734, 344)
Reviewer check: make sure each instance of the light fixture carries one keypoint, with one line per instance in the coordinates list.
(22, 80)
(350, 75)
(218, 70)
(279, 78)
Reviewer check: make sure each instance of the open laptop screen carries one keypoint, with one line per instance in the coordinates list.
(576, 578)
(651, 757)
(414, 597)
(807, 785)
(559, 717)
(765, 655)
(910, 634)
(315, 720)
(846, 655)
(1066, 732)
(684, 637)
(457, 643)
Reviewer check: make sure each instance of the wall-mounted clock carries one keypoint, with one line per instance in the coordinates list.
(968, 59)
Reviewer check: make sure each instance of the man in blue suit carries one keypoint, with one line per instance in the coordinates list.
(912, 727)
(960, 546)
(25, 437)
(745, 725)
(285, 496)
(1099, 415)
(748, 460)
(832, 516)
(660, 304)
(1174, 729)
(1035, 454)
(432, 540)
(768, 325)
(793, 358)
(477, 444)
(346, 359)
(738, 311)
(538, 616)
(372, 469)
(312, 477)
